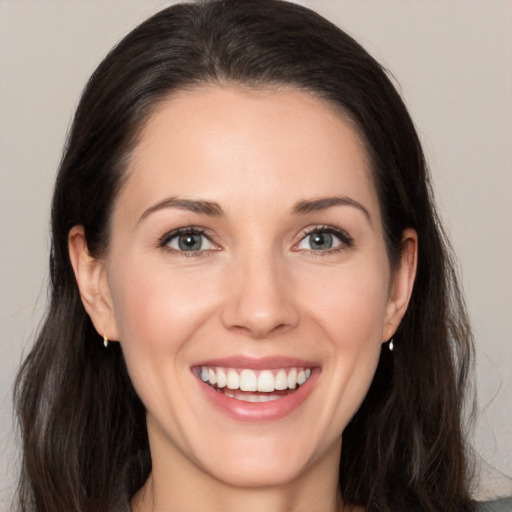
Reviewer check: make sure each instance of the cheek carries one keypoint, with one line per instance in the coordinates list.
(350, 310)
(157, 310)
(350, 303)
(147, 297)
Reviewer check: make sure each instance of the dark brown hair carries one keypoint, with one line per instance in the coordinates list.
(82, 424)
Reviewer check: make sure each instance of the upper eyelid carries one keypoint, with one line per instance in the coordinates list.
(344, 236)
(324, 228)
(164, 239)
(346, 240)
(164, 242)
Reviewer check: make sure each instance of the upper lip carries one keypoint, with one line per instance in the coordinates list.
(263, 363)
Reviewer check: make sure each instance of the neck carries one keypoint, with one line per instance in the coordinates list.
(177, 486)
(152, 498)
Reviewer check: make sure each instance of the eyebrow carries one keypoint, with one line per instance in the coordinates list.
(197, 206)
(323, 203)
(212, 209)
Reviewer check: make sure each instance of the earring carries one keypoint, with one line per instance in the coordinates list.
(105, 340)
(391, 346)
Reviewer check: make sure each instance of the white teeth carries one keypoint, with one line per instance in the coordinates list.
(264, 381)
(248, 381)
(253, 398)
(221, 378)
(292, 378)
(281, 380)
(268, 398)
(233, 380)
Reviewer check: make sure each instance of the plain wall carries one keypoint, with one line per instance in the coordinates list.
(452, 60)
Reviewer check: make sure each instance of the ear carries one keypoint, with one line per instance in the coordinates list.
(91, 278)
(402, 282)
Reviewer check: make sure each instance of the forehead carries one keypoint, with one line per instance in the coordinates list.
(262, 145)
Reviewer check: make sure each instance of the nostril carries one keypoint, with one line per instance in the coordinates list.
(260, 303)
(260, 331)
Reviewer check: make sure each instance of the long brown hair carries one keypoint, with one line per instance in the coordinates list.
(83, 426)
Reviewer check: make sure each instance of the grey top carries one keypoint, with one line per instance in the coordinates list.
(499, 505)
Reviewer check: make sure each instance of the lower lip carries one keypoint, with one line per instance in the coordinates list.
(260, 411)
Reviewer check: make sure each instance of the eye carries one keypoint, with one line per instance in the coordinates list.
(188, 240)
(324, 239)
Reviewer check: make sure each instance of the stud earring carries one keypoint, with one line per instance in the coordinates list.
(391, 346)
(105, 340)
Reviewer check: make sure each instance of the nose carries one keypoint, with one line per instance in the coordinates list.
(261, 295)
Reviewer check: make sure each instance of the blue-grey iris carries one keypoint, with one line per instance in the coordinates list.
(319, 241)
(190, 242)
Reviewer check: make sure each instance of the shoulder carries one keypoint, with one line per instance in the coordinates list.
(498, 505)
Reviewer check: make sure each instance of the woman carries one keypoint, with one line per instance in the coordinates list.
(253, 303)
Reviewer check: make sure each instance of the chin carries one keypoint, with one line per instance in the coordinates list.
(274, 462)
(259, 474)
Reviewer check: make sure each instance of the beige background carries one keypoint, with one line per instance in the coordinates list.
(452, 60)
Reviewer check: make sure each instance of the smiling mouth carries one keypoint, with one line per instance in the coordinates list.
(254, 386)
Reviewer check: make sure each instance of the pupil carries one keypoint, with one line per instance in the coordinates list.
(189, 242)
(321, 241)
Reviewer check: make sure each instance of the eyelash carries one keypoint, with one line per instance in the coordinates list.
(346, 241)
(164, 241)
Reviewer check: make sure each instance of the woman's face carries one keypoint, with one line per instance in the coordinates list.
(247, 254)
